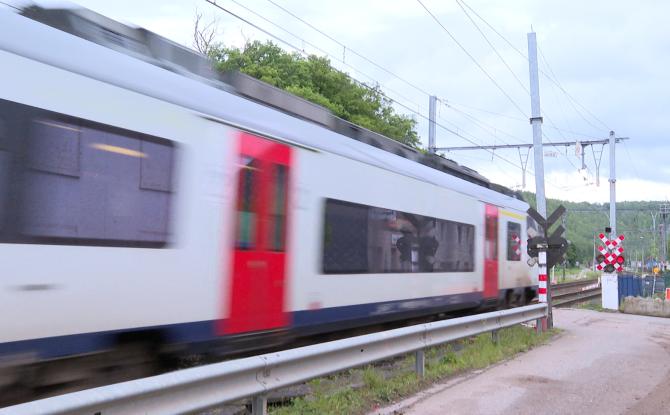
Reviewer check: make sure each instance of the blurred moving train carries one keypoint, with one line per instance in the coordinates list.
(147, 201)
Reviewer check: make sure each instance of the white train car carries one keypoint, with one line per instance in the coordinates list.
(138, 203)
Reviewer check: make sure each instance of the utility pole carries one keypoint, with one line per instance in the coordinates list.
(432, 103)
(536, 123)
(612, 184)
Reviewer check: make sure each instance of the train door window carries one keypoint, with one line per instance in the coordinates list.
(491, 240)
(246, 203)
(83, 183)
(513, 241)
(277, 234)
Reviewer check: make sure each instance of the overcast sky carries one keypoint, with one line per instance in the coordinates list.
(610, 56)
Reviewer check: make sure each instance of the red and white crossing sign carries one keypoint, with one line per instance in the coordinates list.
(610, 258)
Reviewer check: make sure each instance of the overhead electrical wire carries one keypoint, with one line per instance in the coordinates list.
(452, 105)
(302, 51)
(394, 101)
(299, 50)
(495, 50)
(552, 77)
(345, 47)
(404, 80)
(500, 57)
(474, 60)
(484, 125)
(554, 92)
(555, 81)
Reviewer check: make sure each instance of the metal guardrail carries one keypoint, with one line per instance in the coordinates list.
(200, 388)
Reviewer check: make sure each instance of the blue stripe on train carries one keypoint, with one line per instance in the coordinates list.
(372, 311)
(202, 331)
(73, 344)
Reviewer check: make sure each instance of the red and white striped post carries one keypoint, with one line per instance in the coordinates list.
(542, 290)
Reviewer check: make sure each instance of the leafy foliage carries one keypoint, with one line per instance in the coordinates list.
(314, 79)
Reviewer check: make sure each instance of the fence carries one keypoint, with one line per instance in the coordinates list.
(204, 387)
(644, 286)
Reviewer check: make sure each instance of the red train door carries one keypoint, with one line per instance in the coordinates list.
(491, 252)
(258, 273)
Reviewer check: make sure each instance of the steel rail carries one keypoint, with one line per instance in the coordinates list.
(200, 388)
(575, 291)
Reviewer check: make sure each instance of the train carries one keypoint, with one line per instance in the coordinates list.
(149, 203)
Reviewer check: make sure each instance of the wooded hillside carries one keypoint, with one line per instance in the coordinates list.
(584, 220)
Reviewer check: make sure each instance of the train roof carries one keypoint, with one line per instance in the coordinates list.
(186, 63)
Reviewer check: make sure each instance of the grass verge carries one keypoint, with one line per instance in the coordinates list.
(591, 305)
(358, 391)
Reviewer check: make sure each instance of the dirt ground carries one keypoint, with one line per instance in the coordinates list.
(602, 363)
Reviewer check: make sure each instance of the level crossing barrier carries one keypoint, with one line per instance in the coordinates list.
(204, 387)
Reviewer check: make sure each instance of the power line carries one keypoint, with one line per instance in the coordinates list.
(511, 71)
(346, 48)
(11, 5)
(472, 58)
(379, 66)
(632, 159)
(523, 120)
(570, 97)
(493, 47)
(554, 92)
(509, 68)
(299, 50)
(302, 51)
(481, 123)
(555, 81)
(396, 102)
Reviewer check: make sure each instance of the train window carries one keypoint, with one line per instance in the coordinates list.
(345, 238)
(246, 203)
(513, 241)
(3, 134)
(4, 167)
(455, 250)
(84, 183)
(54, 147)
(365, 239)
(277, 234)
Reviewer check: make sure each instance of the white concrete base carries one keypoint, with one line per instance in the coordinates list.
(610, 291)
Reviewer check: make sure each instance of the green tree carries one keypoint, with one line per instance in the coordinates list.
(571, 255)
(314, 79)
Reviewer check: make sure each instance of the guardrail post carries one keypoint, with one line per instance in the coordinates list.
(538, 325)
(259, 405)
(495, 336)
(420, 363)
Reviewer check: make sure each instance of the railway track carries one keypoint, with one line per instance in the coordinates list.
(573, 292)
